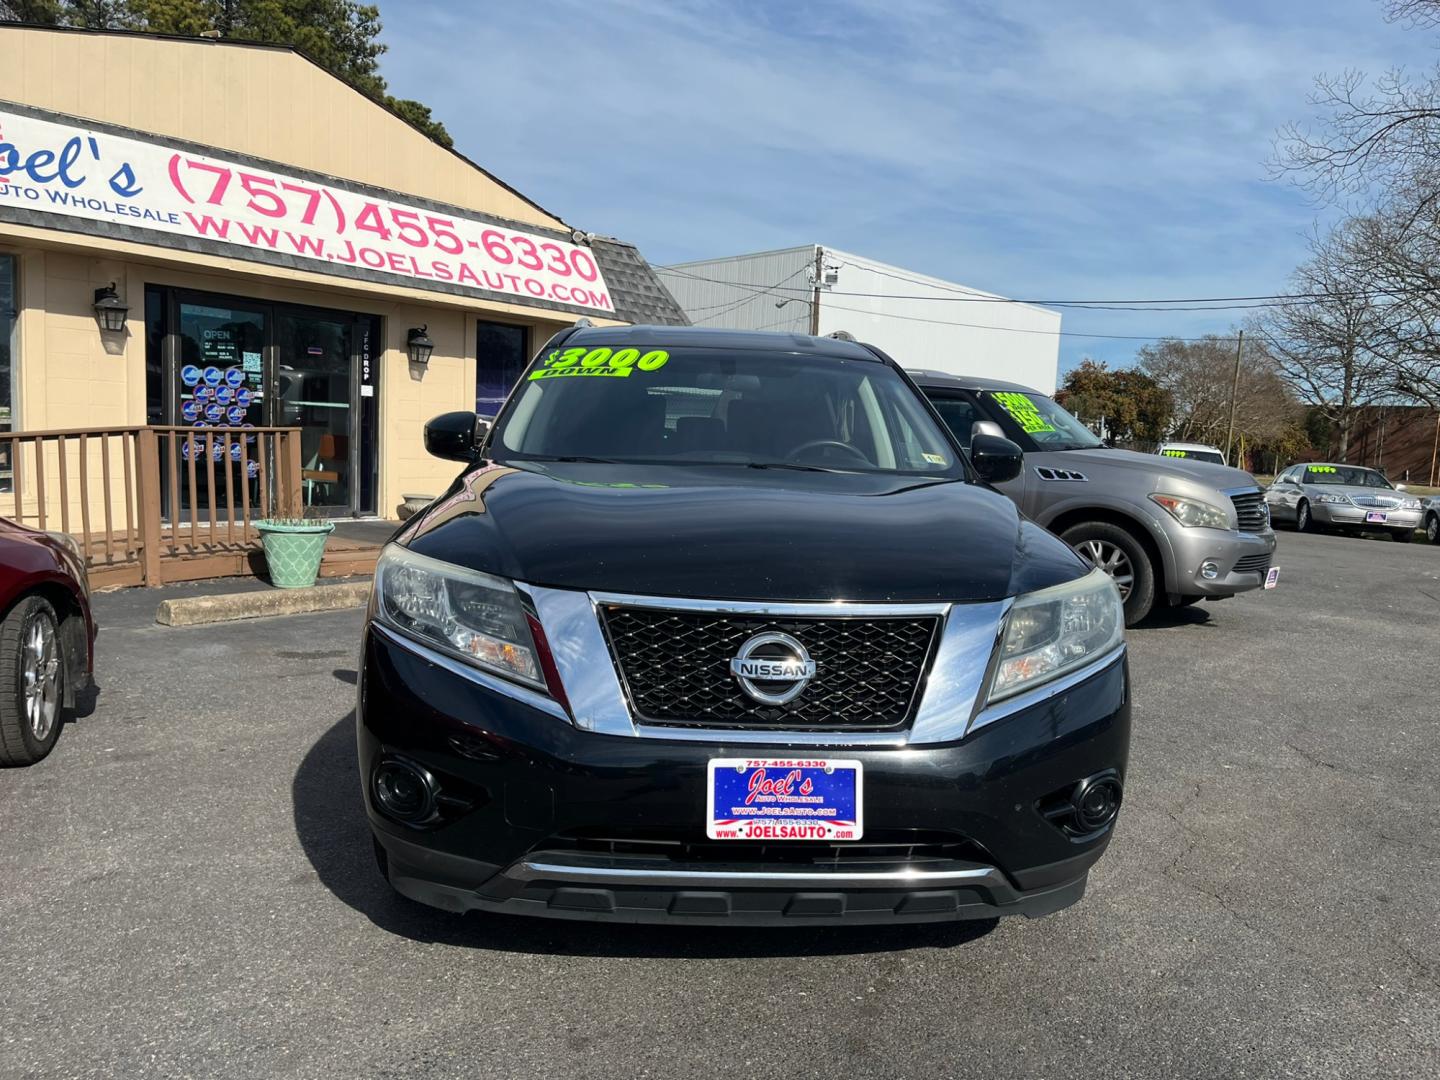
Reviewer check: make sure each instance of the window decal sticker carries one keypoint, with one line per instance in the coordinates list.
(1022, 410)
(599, 361)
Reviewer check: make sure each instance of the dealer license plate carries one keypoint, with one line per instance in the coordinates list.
(1375, 516)
(1272, 577)
(785, 799)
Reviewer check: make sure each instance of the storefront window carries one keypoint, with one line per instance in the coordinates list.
(7, 342)
(501, 353)
(7, 366)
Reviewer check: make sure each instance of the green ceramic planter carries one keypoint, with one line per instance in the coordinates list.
(293, 550)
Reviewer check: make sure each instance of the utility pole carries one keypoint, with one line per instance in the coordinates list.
(815, 299)
(1234, 393)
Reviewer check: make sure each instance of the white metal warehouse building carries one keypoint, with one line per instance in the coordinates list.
(923, 322)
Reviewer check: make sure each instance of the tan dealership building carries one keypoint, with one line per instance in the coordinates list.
(287, 252)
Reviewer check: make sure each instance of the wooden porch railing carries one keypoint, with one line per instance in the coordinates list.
(150, 505)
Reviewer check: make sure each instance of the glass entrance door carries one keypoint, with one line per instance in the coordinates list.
(226, 362)
(314, 391)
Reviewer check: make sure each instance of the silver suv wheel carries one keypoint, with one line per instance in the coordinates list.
(1112, 560)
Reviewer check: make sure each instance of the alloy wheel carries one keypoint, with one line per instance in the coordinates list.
(40, 676)
(1432, 529)
(1110, 558)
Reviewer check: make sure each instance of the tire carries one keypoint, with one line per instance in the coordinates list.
(1432, 528)
(1402, 536)
(1115, 550)
(32, 682)
(1303, 521)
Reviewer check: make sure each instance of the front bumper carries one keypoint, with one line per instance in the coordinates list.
(1240, 560)
(1350, 516)
(541, 818)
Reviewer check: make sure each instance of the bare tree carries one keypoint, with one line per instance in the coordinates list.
(1325, 343)
(1199, 376)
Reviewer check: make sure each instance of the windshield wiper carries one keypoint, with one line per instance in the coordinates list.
(790, 465)
(570, 459)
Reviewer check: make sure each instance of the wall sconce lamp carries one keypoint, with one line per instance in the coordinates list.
(110, 310)
(420, 345)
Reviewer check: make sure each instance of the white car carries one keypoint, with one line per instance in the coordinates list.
(1431, 506)
(1192, 451)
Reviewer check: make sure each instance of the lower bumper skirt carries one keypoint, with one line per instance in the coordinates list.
(573, 885)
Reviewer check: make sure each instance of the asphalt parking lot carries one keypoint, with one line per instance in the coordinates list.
(186, 885)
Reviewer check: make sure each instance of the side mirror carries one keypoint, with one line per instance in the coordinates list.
(995, 458)
(986, 427)
(456, 436)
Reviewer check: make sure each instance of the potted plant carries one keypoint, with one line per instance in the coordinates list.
(293, 549)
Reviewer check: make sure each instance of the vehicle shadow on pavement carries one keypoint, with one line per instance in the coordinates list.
(331, 827)
(1164, 618)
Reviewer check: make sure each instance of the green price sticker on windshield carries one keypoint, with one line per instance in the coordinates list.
(1174, 453)
(599, 362)
(1022, 410)
(1321, 468)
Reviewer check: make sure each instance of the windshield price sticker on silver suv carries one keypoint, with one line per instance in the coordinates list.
(1023, 411)
(600, 361)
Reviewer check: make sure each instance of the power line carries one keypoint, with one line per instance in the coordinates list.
(753, 291)
(1023, 330)
(752, 294)
(1144, 304)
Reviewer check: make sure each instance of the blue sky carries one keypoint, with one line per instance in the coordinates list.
(1042, 150)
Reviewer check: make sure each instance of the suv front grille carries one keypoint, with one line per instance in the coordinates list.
(676, 668)
(1250, 511)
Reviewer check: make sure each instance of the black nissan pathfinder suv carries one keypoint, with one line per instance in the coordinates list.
(723, 627)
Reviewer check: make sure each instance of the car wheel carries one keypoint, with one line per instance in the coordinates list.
(1120, 555)
(32, 682)
(1432, 528)
(1303, 521)
(1402, 536)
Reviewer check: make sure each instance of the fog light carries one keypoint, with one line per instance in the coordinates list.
(404, 791)
(1096, 802)
(1209, 570)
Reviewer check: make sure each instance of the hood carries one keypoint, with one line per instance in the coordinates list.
(732, 533)
(1220, 477)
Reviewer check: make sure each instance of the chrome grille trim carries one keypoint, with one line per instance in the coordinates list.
(949, 698)
(1251, 513)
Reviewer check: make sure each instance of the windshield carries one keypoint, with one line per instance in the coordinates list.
(1212, 456)
(716, 406)
(1040, 421)
(1344, 476)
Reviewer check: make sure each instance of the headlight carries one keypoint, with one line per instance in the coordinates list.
(1056, 630)
(1193, 512)
(1331, 499)
(475, 616)
(1410, 504)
